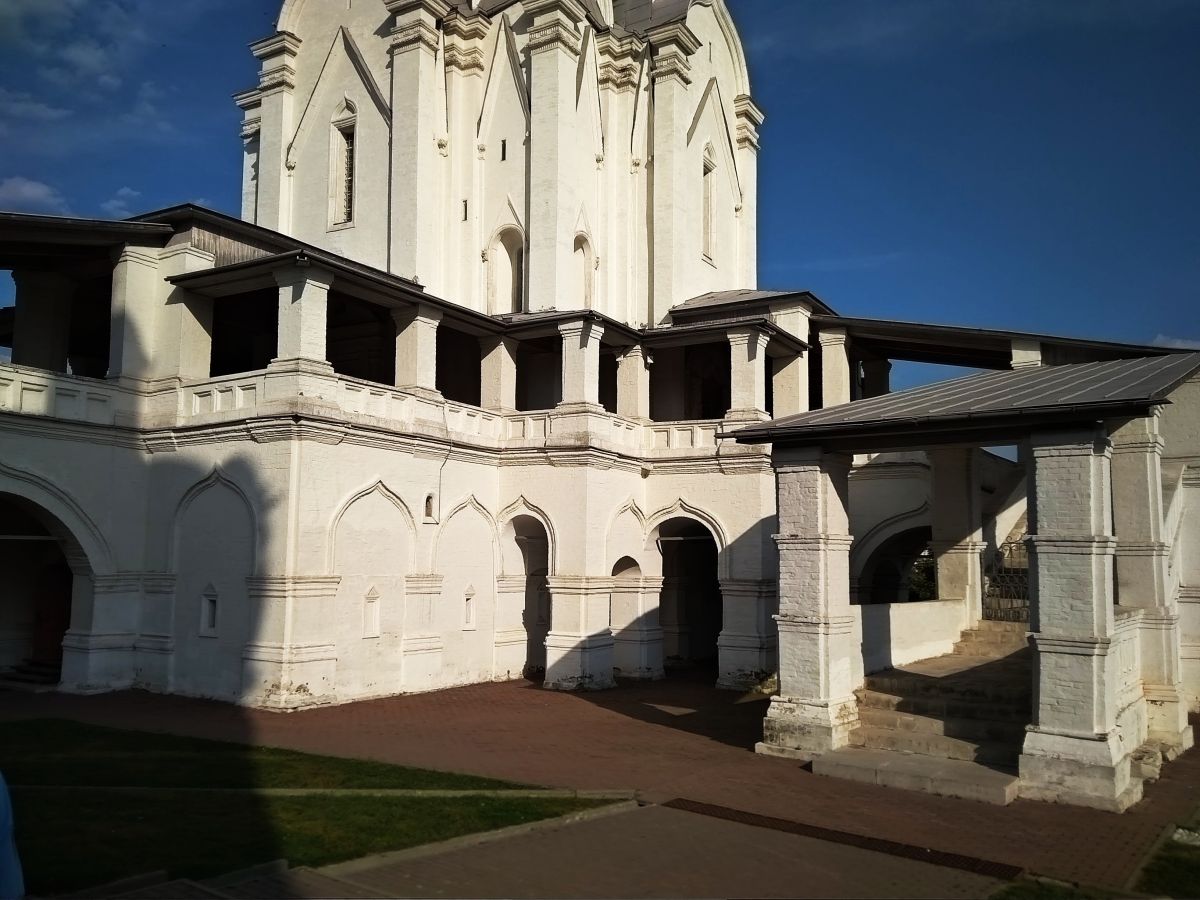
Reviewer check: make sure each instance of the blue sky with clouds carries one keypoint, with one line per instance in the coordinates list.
(1029, 164)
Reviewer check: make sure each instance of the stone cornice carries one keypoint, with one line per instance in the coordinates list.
(402, 8)
(468, 60)
(619, 75)
(419, 35)
(466, 26)
(283, 42)
(557, 35)
(572, 9)
(676, 36)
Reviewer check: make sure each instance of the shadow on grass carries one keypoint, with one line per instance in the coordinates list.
(76, 831)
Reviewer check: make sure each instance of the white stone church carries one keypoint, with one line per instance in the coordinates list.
(481, 387)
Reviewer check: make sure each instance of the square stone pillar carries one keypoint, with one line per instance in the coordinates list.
(554, 46)
(674, 179)
(957, 519)
(749, 119)
(185, 324)
(42, 323)
(422, 645)
(877, 378)
(137, 303)
(1074, 751)
(1026, 353)
(579, 647)
(747, 375)
(1141, 573)
(633, 384)
(276, 94)
(747, 643)
(292, 660)
(499, 370)
(789, 375)
(510, 642)
(637, 634)
(417, 208)
(98, 648)
(581, 363)
(835, 368)
(416, 349)
(303, 316)
(815, 710)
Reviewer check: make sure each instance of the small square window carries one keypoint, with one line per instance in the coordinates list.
(503, 150)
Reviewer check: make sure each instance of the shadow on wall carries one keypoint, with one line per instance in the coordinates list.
(127, 569)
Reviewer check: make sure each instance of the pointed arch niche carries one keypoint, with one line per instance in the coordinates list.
(584, 271)
(506, 271)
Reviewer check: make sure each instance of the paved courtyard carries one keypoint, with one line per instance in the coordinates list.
(673, 740)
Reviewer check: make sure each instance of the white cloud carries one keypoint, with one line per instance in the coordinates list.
(118, 205)
(19, 105)
(1175, 343)
(23, 195)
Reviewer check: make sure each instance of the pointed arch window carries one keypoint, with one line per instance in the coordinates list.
(343, 171)
(709, 200)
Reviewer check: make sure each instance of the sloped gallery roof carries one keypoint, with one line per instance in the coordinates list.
(992, 405)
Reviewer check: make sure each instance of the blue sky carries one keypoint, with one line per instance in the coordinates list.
(1030, 164)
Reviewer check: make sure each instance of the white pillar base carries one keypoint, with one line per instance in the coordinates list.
(638, 653)
(279, 677)
(748, 661)
(508, 654)
(578, 663)
(1078, 770)
(805, 729)
(96, 663)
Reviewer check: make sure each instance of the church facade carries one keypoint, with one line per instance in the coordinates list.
(456, 398)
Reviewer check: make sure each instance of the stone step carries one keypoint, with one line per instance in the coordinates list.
(179, 889)
(941, 707)
(298, 884)
(946, 777)
(987, 649)
(1010, 732)
(936, 745)
(999, 690)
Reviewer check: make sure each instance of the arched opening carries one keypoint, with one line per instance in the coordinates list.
(506, 272)
(584, 271)
(902, 569)
(534, 546)
(35, 605)
(691, 594)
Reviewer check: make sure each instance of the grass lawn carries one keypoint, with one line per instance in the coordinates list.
(72, 835)
(1173, 872)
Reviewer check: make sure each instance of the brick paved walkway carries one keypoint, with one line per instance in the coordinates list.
(675, 739)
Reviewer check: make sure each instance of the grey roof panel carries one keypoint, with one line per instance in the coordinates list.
(1077, 388)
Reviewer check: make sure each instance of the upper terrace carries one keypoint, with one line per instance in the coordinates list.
(189, 318)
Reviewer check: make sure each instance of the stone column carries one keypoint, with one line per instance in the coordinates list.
(673, 178)
(957, 519)
(553, 47)
(186, 321)
(417, 205)
(416, 349)
(292, 662)
(98, 648)
(276, 86)
(581, 363)
(499, 388)
(835, 368)
(42, 324)
(748, 375)
(815, 710)
(633, 384)
(1026, 354)
(509, 643)
(790, 384)
(1141, 573)
(1074, 752)
(422, 644)
(579, 648)
(749, 120)
(137, 286)
(747, 644)
(637, 635)
(877, 378)
(303, 317)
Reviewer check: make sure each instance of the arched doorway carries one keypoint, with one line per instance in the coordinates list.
(902, 569)
(691, 612)
(35, 603)
(534, 546)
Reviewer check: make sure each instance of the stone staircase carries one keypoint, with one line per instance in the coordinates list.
(32, 676)
(951, 725)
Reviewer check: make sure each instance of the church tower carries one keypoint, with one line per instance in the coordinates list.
(513, 155)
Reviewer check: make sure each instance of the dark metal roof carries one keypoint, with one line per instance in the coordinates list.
(639, 16)
(717, 300)
(996, 401)
(976, 348)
